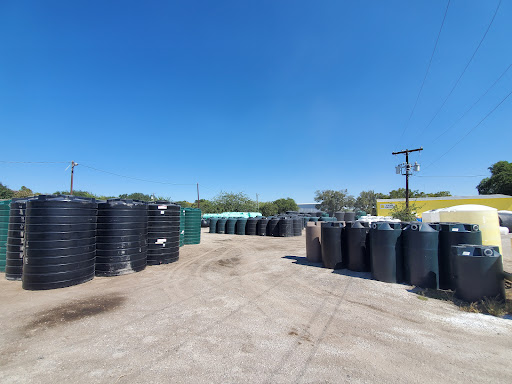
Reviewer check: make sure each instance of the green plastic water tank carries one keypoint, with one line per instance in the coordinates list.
(4, 223)
(192, 226)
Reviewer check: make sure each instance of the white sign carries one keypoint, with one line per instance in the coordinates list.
(387, 206)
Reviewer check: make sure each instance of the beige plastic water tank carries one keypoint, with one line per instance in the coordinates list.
(485, 217)
(313, 241)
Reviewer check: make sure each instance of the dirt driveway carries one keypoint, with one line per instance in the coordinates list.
(245, 309)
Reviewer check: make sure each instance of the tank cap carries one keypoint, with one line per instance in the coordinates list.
(488, 252)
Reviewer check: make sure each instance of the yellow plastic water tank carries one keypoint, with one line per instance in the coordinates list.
(485, 217)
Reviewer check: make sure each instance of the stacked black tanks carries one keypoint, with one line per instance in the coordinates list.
(15, 240)
(60, 242)
(298, 223)
(251, 226)
(262, 226)
(121, 237)
(163, 232)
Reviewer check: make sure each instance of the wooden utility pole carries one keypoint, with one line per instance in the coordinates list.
(197, 195)
(408, 170)
(73, 164)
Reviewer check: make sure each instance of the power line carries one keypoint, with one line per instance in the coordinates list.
(453, 176)
(426, 72)
(129, 177)
(471, 130)
(465, 68)
(474, 104)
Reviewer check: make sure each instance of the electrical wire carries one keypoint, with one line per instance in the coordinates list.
(426, 73)
(465, 68)
(129, 177)
(473, 105)
(471, 130)
(454, 176)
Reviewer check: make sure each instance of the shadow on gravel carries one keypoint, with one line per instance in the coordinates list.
(301, 260)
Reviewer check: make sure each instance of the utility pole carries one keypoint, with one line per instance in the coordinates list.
(407, 169)
(73, 164)
(197, 195)
(257, 203)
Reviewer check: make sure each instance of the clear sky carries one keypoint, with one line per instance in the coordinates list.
(274, 97)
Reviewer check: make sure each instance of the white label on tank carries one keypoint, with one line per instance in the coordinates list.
(455, 229)
(162, 212)
(160, 241)
(162, 207)
(466, 253)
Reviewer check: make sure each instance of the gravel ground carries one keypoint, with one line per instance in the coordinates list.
(245, 309)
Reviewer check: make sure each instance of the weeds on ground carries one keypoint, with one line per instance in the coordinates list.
(492, 306)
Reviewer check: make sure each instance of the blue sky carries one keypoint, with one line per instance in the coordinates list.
(279, 98)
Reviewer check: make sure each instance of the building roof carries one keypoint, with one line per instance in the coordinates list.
(498, 196)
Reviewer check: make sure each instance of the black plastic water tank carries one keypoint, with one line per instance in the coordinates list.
(163, 232)
(60, 242)
(350, 216)
(451, 234)
(241, 223)
(385, 252)
(222, 225)
(505, 218)
(251, 226)
(273, 226)
(420, 244)
(357, 254)
(261, 228)
(298, 222)
(331, 245)
(319, 214)
(231, 225)
(15, 240)
(213, 224)
(478, 272)
(121, 237)
(340, 216)
(285, 226)
(314, 218)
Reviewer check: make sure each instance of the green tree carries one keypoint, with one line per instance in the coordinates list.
(402, 213)
(206, 206)
(136, 196)
(185, 204)
(439, 194)
(23, 192)
(332, 201)
(234, 202)
(500, 181)
(367, 201)
(414, 193)
(284, 205)
(77, 193)
(5, 193)
(268, 209)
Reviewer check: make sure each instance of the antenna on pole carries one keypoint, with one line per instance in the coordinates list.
(73, 164)
(407, 169)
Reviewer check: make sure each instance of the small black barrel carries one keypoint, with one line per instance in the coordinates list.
(297, 225)
(213, 224)
(261, 228)
(451, 234)
(273, 226)
(222, 225)
(350, 216)
(15, 240)
(357, 255)
(285, 227)
(231, 225)
(478, 272)
(163, 232)
(241, 223)
(60, 242)
(331, 245)
(251, 226)
(340, 216)
(385, 252)
(420, 244)
(121, 237)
